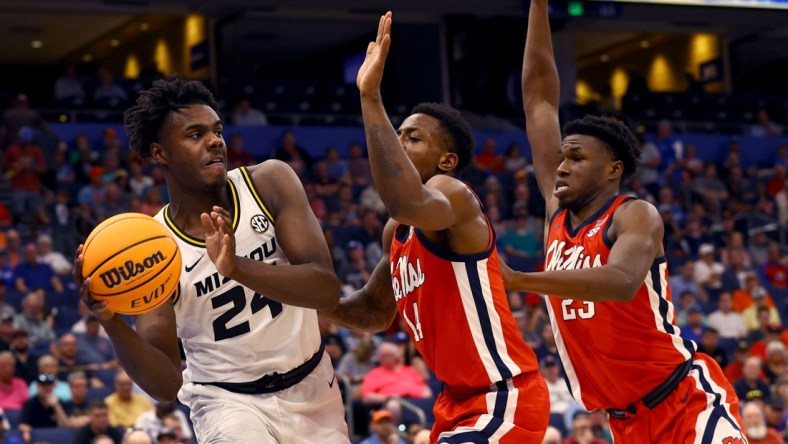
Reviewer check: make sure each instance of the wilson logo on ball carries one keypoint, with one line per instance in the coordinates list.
(130, 269)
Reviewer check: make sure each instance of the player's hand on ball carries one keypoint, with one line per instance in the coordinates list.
(220, 240)
(99, 308)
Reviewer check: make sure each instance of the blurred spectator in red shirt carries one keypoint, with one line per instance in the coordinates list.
(392, 378)
(773, 270)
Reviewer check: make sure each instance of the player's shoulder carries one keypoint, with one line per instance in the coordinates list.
(634, 207)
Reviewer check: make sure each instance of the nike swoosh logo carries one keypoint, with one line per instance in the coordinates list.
(331, 382)
(684, 399)
(188, 268)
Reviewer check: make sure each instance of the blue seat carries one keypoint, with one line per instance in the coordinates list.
(100, 393)
(52, 436)
(557, 421)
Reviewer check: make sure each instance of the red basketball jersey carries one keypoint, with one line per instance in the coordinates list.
(613, 353)
(457, 311)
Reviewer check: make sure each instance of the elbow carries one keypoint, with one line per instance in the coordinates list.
(168, 393)
(330, 289)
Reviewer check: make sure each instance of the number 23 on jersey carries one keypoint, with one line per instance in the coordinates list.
(571, 309)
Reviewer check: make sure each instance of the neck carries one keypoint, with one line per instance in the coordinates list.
(594, 203)
(186, 207)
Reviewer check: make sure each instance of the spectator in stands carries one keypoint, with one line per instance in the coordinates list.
(94, 347)
(344, 210)
(13, 390)
(326, 187)
(383, 431)
(98, 424)
(26, 363)
(297, 157)
(750, 315)
(43, 409)
(775, 417)
(684, 281)
(670, 147)
(108, 93)
(581, 430)
(392, 378)
(759, 248)
(137, 437)
(139, 182)
(6, 324)
(47, 365)
(750, 386)
(153, 421)
(237, 154)
(57, 215)
(69, 360)
(765, 127)
(781, 200)
(708, 272)
(102, 439)
(55, 259)
(113, 203)
(709, 344)
(727, 322)
(520, 238)
(560, 397)
(23, 164)
(356, 271)
(547, 347)
(31, 275)
(68, 88)
(551, 436)
(734, 369)
(488, 160)
(358, 165)
(774, 271)
(154, 201)
(168, 435)
(754, 421)
(124, 406)
(337, 167)
(737, 269)
(742, 299)
(694, 236)
(355, 365)
(33, 321)
(174, 425)
(693, 329)
(94, 192)
(514, 160)
(78, 408)
(6, 271)
(245, 115)
(13, 247)
(711, 189)
(774, 365)
(20, 114)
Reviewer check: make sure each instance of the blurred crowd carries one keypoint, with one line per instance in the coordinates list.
(723, 225)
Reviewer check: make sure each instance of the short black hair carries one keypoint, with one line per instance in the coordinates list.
(144, 120)
(614, 136)
(457, 129)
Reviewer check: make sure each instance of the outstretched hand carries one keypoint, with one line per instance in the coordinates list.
(220, 240)
(370, 74)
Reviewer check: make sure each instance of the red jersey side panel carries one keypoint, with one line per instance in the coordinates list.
(457, 312)
(613, 353)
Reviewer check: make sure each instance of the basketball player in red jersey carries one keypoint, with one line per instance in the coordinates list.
(609, 299)
(442, 273)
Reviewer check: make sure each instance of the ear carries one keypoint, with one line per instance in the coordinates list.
(158, 154)
(616, 170)
(448, 162)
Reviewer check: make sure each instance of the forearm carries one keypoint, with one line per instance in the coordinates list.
(304, 285)
(599, 284)
(356, 311)
(540, 75)
(154, 371)
(395, 177)
(60, 416)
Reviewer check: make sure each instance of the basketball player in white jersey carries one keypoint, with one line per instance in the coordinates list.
(255, 270)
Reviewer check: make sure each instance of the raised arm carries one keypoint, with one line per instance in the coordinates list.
(309, 281)
(540, 101)
(434, 206)
(372, 308)
(150, 354)
(637, 233)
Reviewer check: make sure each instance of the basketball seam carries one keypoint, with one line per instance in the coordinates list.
(126, 248)
(164, 268)
(93, 235)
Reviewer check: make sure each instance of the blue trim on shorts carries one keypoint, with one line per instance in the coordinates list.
(461, 438)
(719, 409)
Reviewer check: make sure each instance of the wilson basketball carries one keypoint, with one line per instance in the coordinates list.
(133, 262)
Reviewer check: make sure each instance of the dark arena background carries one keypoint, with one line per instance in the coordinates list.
(703, 85)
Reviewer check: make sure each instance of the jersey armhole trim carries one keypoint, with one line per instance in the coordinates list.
(257, 195)
(609, 223)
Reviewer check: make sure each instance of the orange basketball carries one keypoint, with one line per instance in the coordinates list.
(133, 262)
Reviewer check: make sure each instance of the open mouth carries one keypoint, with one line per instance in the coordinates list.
(217, 161)
(561, 188)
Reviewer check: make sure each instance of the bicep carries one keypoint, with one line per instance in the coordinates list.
(638, 232)
(544, 137)
(444, 203)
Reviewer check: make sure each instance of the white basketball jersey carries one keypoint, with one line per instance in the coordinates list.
(229, 332)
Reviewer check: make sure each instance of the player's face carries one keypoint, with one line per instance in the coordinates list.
(424, 141)
(192, 146)
(584, 171)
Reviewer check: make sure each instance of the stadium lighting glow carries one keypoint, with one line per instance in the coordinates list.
(114, 42)
(36, 44)
(144, 27)
(645, 44)
(604, 58)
